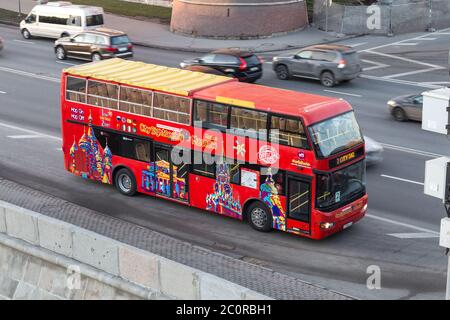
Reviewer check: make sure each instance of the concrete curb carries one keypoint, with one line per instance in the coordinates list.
(111, 262)
(206, 50)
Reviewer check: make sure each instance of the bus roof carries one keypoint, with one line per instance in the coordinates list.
(149, 76)
(312, 108)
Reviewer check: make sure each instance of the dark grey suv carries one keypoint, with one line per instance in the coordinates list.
(331, 64)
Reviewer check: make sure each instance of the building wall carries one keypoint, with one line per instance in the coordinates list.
(237, 19)
(400, 17)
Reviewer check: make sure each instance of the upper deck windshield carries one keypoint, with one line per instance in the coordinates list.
(336, 134)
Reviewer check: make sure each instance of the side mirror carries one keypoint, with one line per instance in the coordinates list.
(72, 40)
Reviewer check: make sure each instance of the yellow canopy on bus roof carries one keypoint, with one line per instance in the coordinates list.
(146, 75)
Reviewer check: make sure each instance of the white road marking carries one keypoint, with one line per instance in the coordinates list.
(414, 151)
(398, 81)
(22, 41)
(402, 224)
(356, 44)
(345, 93)
(440, 32)
(401, 179)
(25, 136)
(32, 132)
(66, 63)
(430, 39)
(404, 59)
(268, 62)
(407, 44)
(396, 75)
(58, 149)
(377, 65)
(2, 92)
(444, 83)
(414, 235)
(29, 74)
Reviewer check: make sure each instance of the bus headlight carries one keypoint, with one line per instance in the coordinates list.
(364, 208)
(326, 225)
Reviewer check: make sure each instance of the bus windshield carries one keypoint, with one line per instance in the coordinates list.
(336, 134)
(341, 186)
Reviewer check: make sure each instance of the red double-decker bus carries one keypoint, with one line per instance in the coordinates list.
(280, 159)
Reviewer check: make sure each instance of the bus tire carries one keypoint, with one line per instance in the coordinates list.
(125, 182)
(260, 217)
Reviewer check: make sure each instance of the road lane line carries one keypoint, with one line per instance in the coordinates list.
(396, 75)
(401, 179)
(2, 92)
(429, 39)
(405, 59)
(25, 136)
(22, 41)
(414, 235)
(66, 63)
(414, 151)
(32, 132)
(339, 92)
(29, 74)
(398, 81)
(398, 223)
(377, 65)
(443, 32)
(407, 44)
(356, 44)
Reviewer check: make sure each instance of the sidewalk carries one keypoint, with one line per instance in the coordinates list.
(156, 35)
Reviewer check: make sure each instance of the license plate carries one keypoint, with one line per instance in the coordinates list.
(254, 69)
(122, 49)
(347, 225)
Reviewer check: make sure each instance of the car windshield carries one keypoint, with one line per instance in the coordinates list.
(119, 40)
(336, 134)
(95, 20)
(341, 186)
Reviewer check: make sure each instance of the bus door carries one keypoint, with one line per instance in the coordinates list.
(299, 203)
(170, 172)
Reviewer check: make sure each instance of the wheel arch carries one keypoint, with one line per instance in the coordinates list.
(248, 203)
(117, 169)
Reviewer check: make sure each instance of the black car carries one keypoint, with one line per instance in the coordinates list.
(240, 64)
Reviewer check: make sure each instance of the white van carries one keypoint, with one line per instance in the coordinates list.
(60, 19)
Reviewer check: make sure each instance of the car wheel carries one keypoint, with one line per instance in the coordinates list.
(26, 34)
(64, 34)
(60, 53)
(260, 217)
(282, 72)
(399, 114)
(96, 56)
(327, 79)
(125, 182)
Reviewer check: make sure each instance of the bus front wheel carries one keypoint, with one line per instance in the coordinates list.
(260, 217)
(125, 182)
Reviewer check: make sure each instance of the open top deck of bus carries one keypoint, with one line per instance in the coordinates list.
(148, 76)
(313, 108)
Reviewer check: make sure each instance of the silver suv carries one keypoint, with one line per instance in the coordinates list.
(331, 64)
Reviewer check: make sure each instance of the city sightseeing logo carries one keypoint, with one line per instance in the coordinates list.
(268, 154)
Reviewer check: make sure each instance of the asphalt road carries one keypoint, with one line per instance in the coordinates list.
(399, 234)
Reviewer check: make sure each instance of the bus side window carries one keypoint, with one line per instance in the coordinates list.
(249, 122)
(288, 131)
(204, 165)
(76, 89)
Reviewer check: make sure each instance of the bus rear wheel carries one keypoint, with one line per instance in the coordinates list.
(260, 217)
(125, 182)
